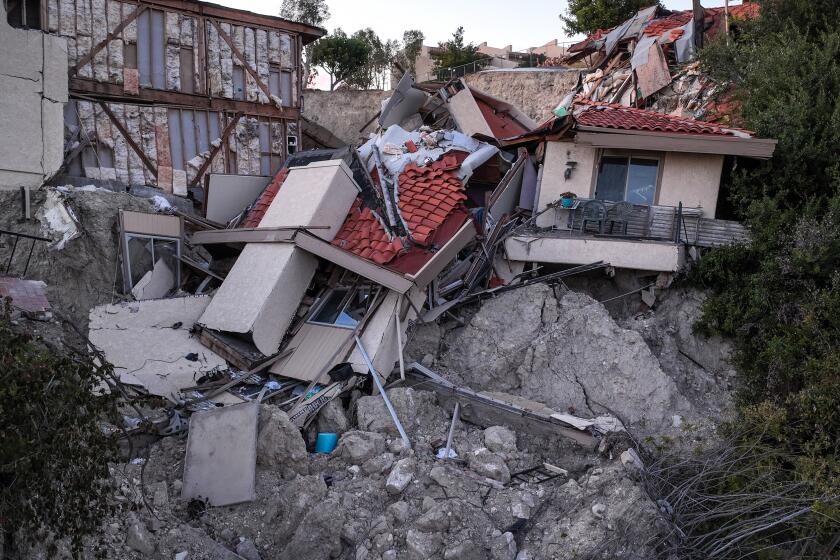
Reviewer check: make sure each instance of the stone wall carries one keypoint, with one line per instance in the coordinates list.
(344, 112)
(535, 91)
(33, 90)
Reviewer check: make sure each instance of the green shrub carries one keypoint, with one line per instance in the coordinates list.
(53, 452)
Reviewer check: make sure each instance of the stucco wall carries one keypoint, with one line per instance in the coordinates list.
(693, 179)
(535, 91)
(343, 112)
(554, 182)
(33, 90)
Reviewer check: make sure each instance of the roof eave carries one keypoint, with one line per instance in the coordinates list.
(599, 137)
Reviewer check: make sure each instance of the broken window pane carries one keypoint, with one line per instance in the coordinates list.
(330, 309)
(343, 308)
(139, 257)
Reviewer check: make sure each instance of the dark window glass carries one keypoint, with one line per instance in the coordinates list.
(331, 308)
(641, 181)
(612, 178)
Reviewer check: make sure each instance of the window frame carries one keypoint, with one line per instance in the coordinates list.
(345, 301)
(629, 155)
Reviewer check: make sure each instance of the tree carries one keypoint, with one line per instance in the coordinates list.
(313, 12)
(375, 71)
(412, 45)
(588, 16)
(778, 297)
(341, 56)
(457, 52)
(53, 452)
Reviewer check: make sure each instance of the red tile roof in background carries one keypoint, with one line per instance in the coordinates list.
(30, 296)
(661, 25)
(429, 196)
(257, 213)
(611, 115)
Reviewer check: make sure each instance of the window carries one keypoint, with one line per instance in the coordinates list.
(344, 307)
(25, 14)
(627, 178)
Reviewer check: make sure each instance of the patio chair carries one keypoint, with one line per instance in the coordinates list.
(620, 214)
(593, 211)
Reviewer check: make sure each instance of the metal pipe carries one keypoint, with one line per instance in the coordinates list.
(455, 413)
(379, 386)
(399, 337)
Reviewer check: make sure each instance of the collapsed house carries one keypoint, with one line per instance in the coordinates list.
(292, 278)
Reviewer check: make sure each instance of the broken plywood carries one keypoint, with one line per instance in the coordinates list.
(220, 465)
(148, 342)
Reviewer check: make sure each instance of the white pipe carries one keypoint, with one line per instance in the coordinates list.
(446, 452)
(399, 337)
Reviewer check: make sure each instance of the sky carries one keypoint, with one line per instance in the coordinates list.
(521, 23)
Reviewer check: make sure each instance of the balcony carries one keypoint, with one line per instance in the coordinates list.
(655, 238)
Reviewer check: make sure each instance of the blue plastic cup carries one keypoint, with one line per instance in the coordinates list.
(326, 442)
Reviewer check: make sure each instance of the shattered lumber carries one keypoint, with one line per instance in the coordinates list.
(484, 410)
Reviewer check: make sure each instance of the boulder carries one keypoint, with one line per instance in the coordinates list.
(486, 463)
(357, 446)
(318, 535)
(503, 547)
(465, 550)
(279, 442)
(500, 439)
(400, 476)
(413, 408)
(247, 550)
(332, 418)
(422, 546)
(138, 537)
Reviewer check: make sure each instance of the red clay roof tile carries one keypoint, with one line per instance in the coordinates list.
(611, 115)
(428, 197)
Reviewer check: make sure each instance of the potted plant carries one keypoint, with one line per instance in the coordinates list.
(567, 199)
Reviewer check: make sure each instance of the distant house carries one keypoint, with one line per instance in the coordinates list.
(639, 187)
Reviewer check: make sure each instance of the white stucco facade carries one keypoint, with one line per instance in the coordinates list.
(33, 90)
(693, 179)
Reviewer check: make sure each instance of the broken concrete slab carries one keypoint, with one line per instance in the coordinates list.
(148, 343)
(220, 464)
(156, 283)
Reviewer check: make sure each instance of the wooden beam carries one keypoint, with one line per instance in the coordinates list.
(111, 36)
(129, 140)
(223, 34)
(225, 135)
(238, 17)
(116, 94)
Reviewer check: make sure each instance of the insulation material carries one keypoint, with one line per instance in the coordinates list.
(247, 138)
(173, 28)
(173, 67)
(84, 41)
(86, 119)
(130, 30)
(285, 51)
(72, 53)
(186, 31)
(100, 32)
(227, 64)
(131, 81)
(148, 143)
(136, 169)
(262, 61)
(273, 47)
(52, 16)
(179, 182)
(278, 138)
(116, 48)
(67, 18)
(120, 146)
(251, 89)
(105, 136)
(214, 64)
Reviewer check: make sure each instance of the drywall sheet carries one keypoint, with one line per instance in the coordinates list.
(221, 459)
(228, 195)
(148, 342)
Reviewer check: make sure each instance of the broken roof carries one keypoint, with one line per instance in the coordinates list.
(431, 202)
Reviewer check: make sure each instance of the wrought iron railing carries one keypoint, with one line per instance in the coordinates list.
(17, 236)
